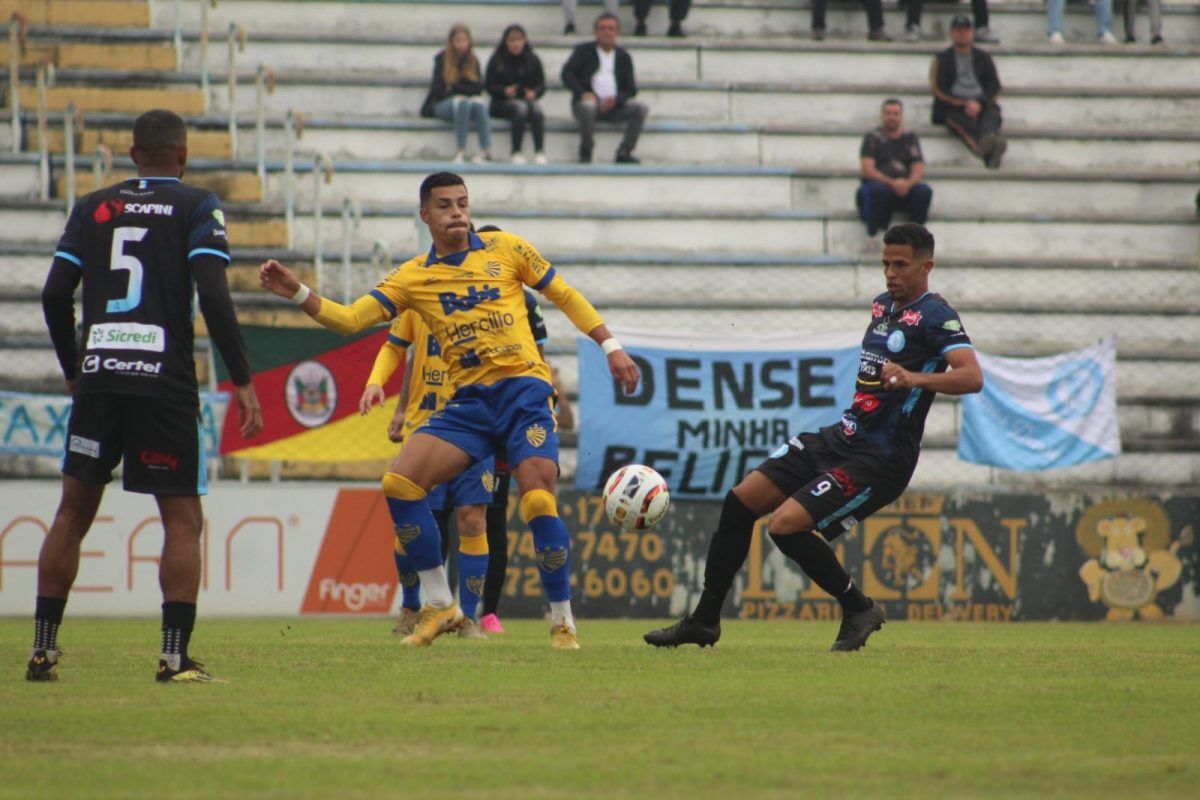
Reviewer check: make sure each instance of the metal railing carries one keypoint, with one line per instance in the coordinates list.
(293, 129)
(45, 79)
(351, 218)
(264, 84)
(69, 154)
(237, 43)
(16, 46)
(205, 5)
(102, 162)
(381, 258)
(322, 174)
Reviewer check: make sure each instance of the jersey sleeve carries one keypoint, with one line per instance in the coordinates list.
(391, 353)
(537, 323)
(533, 270)
(206, 230)
(391, 293)
(947, 333)
(70, 244)
(402, 333)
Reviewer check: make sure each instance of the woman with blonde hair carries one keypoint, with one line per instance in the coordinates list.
(456, 94)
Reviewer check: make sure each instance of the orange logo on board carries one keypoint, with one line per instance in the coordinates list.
(354, 571)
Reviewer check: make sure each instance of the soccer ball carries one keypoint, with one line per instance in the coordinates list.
(636, 498)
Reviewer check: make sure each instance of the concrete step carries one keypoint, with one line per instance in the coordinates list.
(96, 95)
(19, 176)
(679, 142)
(231, 186)
(201, 143)
(35, 221)
(96, 13)
(148, 56)
(1014, 21)
(1006, 192)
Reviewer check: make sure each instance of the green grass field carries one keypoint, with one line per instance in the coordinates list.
(338, 708)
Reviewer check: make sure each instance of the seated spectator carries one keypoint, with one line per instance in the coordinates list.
(1130, 9)
(874, 9)
(456, 94)
(600, 77)
(568, 7)
(515, 81)
(979, 10)
(1103, 11)
(965, 88)
(892, 168)
(678, 12)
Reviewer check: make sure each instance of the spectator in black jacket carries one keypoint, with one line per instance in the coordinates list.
(892, 168)
(515, 80)
(965, 89)
(600, 77)
(456, 94)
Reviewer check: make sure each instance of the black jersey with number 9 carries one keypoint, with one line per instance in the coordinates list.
(133, 242)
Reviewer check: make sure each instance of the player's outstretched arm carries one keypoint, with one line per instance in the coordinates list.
(965, 376)
(386, 361)
(361, 314)
(623, 370)
(585, 317)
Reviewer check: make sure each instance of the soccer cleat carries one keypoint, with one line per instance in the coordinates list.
(469, 629)
(562, 637)
(173, 669)
(432, 622)
(686, 631)
(491, 624)
(43, 666)
(406, 623)
(856, 628)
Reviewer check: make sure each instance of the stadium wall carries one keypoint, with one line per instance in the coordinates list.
(303, 549)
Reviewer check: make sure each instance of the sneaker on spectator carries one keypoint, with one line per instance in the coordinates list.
(540, 158)
(872, 244)
(676, 30)
(1056, 37)
(626, 157)
(984, 34)
(569, 29)
(1107, 38)
(1158, 40)
(460, 157)
(878, 35)
(483, 157)
(518, 158)
(818, 34)
(996, 152)
(912, 33)
(585, 156)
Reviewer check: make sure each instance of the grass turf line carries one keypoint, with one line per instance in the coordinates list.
(336, 707)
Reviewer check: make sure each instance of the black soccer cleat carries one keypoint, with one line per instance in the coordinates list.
(856, 628)
(686, 631)
(173, 669)
(43, 666)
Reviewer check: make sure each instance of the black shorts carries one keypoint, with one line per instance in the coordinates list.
(160, 440)
(837, 491)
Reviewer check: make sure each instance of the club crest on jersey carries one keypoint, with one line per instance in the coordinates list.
(952, 325)
(407, 534)
(910, 317)
(452, 302)
(492, 269)
(551, 559)
(488, 480)
(535, 435)
(107, 210)
(311, 393)
(876, 309)
(896, 341)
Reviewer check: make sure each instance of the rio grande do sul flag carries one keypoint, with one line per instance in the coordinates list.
(1044, 413)
(308, 381)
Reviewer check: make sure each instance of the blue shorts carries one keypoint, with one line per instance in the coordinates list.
(513, 414)
(472, 487)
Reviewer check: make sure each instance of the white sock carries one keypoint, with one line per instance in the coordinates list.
(560, 614)
(436, 588)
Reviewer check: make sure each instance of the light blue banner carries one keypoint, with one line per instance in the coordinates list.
(708, 410)
(36, 424)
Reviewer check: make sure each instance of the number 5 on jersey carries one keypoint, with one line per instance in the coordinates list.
(122, 260)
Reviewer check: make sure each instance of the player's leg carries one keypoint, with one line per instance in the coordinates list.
(179, 577)
(58, 564)
(472, 564)
(745, 504)
(497, 536)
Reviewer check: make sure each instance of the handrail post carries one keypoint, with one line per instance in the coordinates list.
(177, 36)
(237, 41)
(69, 153)
(205, 5)
(16, 45)
(351, 218)
(381, 257)
(290, 128)
(322, 173)
(45, 77)
(101, 166)
(264, 84)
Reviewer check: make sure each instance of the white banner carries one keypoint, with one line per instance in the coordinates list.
(1044, 413)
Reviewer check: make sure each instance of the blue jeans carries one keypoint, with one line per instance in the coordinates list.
(1054, 16)
(876, 202)
(461, 111)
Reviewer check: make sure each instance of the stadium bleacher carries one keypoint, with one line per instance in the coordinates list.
(742, 215)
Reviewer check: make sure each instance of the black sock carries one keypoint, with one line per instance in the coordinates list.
(178, 621)
(819, 562)
(497, 538)
(47, 616)
(726, 553)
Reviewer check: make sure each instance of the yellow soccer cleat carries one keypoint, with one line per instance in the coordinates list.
(173, 669)
(406, 623)
(432, 622)
(469, 629)
(562, 637)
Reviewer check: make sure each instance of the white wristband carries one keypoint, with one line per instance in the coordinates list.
(301, 294)
(610, 346)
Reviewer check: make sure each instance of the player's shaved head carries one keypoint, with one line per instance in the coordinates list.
(915, 236)
(158, 136)
(436, 181)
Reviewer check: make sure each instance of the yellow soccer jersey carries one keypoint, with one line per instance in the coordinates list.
(474, 304)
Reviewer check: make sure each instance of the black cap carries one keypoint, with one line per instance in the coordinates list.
(961, 21)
